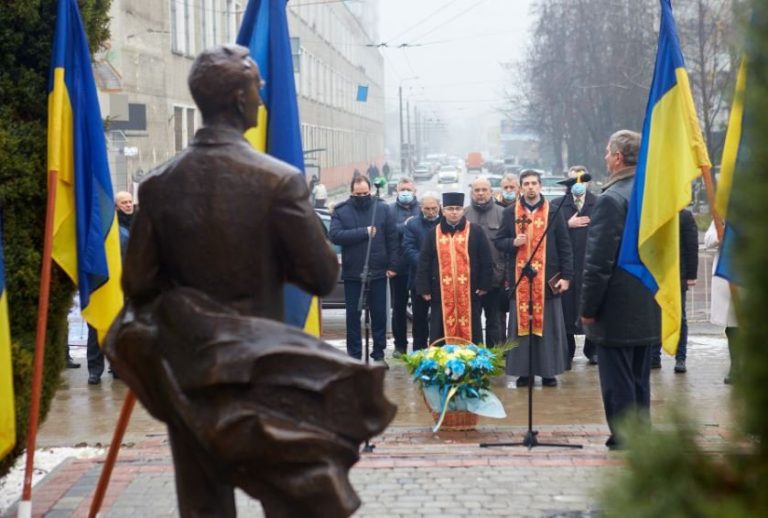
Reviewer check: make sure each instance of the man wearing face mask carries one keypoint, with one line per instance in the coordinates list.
(485, 213)
(454, 273)
(351, 226)
(404, 207)
(417, 229)
(577, 207)
(509, 187)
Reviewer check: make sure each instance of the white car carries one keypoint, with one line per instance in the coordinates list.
(421, 172)
(447, 174)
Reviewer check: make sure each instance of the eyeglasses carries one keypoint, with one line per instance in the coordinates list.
(452, 209)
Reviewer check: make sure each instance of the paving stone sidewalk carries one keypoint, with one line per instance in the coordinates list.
(412, 472)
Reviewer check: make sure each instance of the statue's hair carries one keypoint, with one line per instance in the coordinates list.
(216, 74)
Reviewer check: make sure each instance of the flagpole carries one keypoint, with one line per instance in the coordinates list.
(25, 506)
(709, 185)
(114, 448)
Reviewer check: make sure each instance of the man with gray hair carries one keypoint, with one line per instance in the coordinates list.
(484, 212)
(619, 314)
(416, 229)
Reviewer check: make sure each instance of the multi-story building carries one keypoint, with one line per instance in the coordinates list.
(142, 78)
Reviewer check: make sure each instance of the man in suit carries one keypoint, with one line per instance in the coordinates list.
(577, 207)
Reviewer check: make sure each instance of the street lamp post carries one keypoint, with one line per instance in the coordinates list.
(402, 135)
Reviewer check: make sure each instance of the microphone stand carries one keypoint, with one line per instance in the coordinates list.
(362, 303)
(529, 272)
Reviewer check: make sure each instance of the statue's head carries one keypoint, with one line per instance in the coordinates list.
(224, 82)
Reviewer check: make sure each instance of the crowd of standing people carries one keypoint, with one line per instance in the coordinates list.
(535, 271)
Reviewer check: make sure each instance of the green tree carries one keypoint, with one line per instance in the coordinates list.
(26, 41)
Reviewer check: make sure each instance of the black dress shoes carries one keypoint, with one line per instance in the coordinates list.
(549, 382)
(94, 380)
(71, 364)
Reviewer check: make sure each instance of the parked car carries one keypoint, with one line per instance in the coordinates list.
(392, 183)
(550, 188)
(422, 172)
(447, 174)
(336, 299)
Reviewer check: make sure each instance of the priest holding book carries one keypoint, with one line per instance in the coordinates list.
(523, 225)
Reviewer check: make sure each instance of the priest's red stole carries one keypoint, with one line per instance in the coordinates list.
(533, 225)
(455, 289)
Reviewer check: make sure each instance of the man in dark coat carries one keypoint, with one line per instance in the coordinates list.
(455, 271)
(523, 225)
(620, 315)
(352, 225)
(484, 212)
(507, 197)
(417, 229)
(405, 206)
(577, 207)
(689, 266)
(249, 401)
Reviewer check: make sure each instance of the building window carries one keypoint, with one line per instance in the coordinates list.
(183, 27)
(234, 13)
(183, 126)
(178, 128)
(190, 124)
(296, 54)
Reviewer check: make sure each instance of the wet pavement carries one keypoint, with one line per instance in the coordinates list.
(412, 472)
(82, 414)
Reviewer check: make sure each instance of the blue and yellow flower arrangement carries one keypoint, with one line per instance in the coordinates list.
(458, 378)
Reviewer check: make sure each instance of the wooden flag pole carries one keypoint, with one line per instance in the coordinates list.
(114, 448)
(709, 185)
(25, 506)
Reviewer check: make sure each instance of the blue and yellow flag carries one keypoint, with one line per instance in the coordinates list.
(733, 156)
(7, 409)
(85, 231)
(265, 32)
(672, 155)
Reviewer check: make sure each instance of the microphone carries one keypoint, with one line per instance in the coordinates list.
(379, 182)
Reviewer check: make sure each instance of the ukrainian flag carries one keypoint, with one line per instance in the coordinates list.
(732, 157)
(265, 32)
(85, 232)
(7, 411)
(672, 155)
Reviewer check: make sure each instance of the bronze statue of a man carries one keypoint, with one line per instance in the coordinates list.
(249, 402)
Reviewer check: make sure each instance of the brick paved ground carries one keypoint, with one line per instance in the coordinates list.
(412, 472)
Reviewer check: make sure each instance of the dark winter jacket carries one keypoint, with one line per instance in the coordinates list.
(349, 229)
(578, 237)
(416, 229)
(401, 214)
(489, 217)
(689, 248)
(625, 312)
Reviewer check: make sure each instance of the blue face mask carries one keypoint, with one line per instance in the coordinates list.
(578, 189)
(405, 197)
(509, 195)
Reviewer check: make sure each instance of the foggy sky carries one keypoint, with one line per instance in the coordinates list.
(460, 77)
